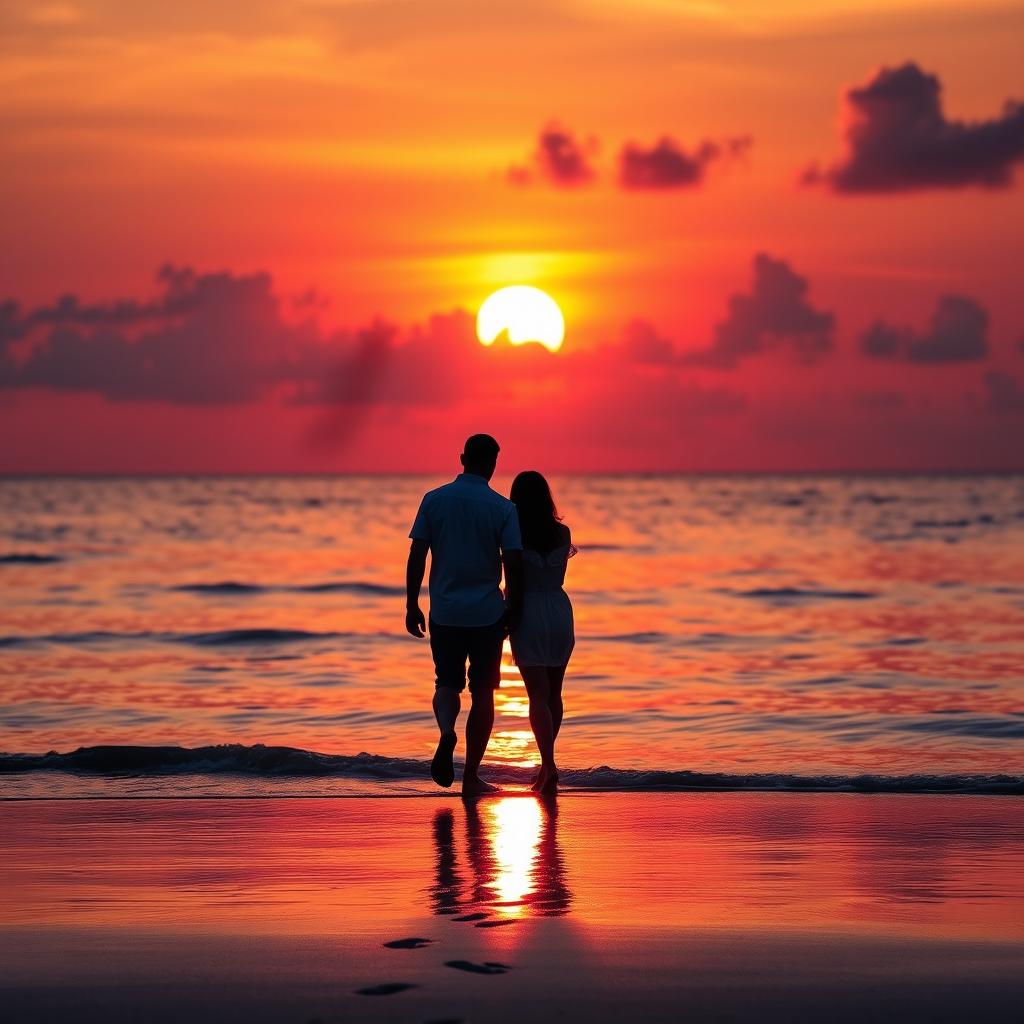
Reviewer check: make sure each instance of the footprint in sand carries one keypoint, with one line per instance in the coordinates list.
(470, 917)
(488, 967)
(407, 943)
(389, 988)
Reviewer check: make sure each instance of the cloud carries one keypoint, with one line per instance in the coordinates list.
(1004, 393)
(667, 165)
(957, 333)
(641, 343)
(898, 139)
(775, 315)
(560, 159)
(12, 326)
(205, 339)
(627, 392)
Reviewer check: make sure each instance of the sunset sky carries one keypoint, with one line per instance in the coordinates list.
(253, 237)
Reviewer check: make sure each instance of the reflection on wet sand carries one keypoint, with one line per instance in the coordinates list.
(515, 863)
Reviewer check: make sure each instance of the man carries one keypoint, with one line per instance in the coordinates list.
(470, 531)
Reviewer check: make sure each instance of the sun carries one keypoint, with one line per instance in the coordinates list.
(526, 313)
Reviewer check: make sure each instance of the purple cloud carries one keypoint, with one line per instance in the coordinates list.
(560, 159)
(667, 165)
(957, 333)
(775, 315)
(205, 339)
(1005, 394)
(898, 139)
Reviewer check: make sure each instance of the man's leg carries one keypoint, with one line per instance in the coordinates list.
(447, 648)
(447, 704)
(478, 732)
(484, 677)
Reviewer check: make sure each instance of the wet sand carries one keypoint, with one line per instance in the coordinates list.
(739, 906)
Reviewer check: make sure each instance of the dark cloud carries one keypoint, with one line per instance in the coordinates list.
(641, 343)
(206, 338)
(430, 364)
(898, 138)
(775, 315)
(667, 165)
(633, 387)
(12, 326)
(560, 159)
(1004, 393)
(957, 333)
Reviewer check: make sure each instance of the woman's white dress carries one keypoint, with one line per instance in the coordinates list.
(545, 635)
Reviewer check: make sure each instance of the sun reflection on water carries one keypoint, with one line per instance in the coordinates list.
(513, 746)
(515, 826)
(512, 851)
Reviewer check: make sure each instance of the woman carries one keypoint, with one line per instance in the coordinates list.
(544, 639)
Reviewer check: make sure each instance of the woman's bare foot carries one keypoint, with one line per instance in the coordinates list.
(547, 780)
(475, 786)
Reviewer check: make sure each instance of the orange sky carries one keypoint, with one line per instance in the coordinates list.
(362, 149)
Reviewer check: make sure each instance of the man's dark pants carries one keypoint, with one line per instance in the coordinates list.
(452, 646)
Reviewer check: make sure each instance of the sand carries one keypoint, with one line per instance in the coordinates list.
(608, 907)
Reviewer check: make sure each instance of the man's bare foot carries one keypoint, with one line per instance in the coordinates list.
(442, 770)
(475, 786)
(536, 777)
(547, 780)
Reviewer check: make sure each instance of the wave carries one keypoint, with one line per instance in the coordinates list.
(230, 588)
(351, 587)
(231, 637)
(801, 594)
(227, 588)
(953, 524)
(216, 638)
(283, 762)
(29, 558)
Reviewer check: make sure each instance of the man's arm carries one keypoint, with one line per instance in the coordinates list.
(415, 623)
(512, 559)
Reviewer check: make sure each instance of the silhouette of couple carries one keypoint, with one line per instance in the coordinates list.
(471, 532)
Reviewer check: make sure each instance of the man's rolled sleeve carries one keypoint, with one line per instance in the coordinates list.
(510, 536)
(421, 525)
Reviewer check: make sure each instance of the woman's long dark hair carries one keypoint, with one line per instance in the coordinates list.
(539, 521)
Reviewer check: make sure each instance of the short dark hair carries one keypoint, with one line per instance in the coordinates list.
(481, 448)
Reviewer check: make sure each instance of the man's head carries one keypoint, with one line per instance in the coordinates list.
(480, 455)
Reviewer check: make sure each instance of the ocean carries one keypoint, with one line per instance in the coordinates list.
(244, 636)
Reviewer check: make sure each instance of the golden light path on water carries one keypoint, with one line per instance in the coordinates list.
(515, 837)
(512, 746)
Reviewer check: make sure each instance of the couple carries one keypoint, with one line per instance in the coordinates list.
(471, 532)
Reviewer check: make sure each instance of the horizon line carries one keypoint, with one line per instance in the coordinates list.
(633, 473)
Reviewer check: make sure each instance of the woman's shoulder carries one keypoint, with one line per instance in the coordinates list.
(565, 541)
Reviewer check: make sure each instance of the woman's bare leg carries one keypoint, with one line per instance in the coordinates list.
(538, 687)
(555, 677)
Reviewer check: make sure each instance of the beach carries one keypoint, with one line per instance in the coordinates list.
(791, 760)
(595, 906)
